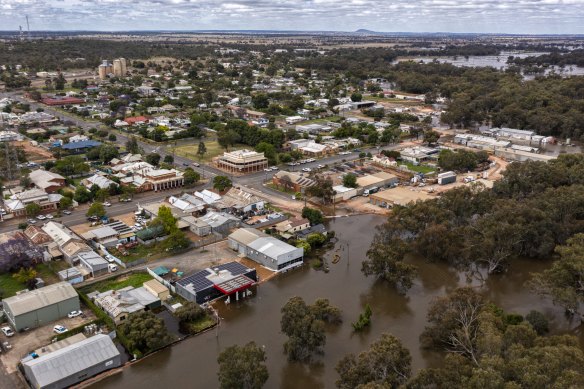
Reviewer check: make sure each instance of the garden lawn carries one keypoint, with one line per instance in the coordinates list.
(135, 279)
(419, 168)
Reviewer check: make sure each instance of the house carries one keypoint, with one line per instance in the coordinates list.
(187, 203)
(41, 306)
(119, 304)
(383, 161)
(78, 138)
(62, 101)
(48, 181)
(265, 249)
(37, 236)
(222, 280)
(319, 228)
(291, 226)
(68, 243)
(80, 147)
(239, 201)
(97, 179)
(94, 263)
(157, 289)
(73, 363)
(111, 234)
(17, 203)
(212, 222)
(294, 119)
(132, 121)
(242, 161)
(417, 154)
(292, 181)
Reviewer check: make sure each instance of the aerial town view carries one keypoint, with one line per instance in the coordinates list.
(286, 195)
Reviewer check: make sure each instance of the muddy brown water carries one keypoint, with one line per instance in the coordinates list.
(192, 363)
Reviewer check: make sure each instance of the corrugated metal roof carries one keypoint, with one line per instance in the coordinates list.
(39, 298)
(72, 359)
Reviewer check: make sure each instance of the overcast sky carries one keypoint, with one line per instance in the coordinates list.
(505, 16)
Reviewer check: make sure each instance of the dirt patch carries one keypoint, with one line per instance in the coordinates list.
(35, 153)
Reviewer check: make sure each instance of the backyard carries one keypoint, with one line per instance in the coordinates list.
(418, 168)
(47, 271)
(134, 279)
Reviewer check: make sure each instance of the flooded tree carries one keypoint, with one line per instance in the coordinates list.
(386, 364)
(242, 367)
(305, 327)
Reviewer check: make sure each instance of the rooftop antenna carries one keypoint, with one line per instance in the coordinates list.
(28, 27)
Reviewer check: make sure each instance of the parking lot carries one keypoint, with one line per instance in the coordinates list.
(25, 342)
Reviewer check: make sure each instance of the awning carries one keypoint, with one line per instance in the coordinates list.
(235, 284)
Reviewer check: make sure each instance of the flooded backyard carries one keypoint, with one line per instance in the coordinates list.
(192, 363)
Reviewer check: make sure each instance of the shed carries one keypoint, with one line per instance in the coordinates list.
(157, 289)
(73, 364)
(41, 306)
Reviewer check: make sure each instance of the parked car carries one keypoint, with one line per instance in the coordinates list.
(41, 217)
(73, 314)
(7, 331)
(31, 221)
(306, 169)
(112, 268)
(107, 204)
(49, 216)
(196, 164)
(59, 329)
(67, 212)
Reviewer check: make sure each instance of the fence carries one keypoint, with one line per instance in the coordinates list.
(161, 280)
(209, 239)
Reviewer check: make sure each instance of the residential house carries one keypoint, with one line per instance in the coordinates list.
(292, 226)
(67, 242)
(111, 234)
(37, 236)
(212, 222)
(119, 304)
(239, 201)
(292, 181)
(98, 179)
(48, 181)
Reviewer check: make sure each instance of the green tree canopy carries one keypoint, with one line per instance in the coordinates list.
(145, 332)
(96, 209)
(242, 367)
(221, 183)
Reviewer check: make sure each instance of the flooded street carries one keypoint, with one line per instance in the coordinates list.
(192, 364)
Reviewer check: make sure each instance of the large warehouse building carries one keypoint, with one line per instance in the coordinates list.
(72, 364)
(265, 249)
(41, 306)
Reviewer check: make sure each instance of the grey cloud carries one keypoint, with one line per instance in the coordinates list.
(512, 16)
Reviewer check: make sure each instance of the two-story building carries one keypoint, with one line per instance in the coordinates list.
(242, 161)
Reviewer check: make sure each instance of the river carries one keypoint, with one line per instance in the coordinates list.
(496, 61)
(192, 363)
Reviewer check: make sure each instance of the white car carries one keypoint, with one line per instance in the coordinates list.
(41, 217)
(267, 170)
(274, 168)
(112, 268)
(307, 169)
(7, 331)
(59, 329)
(31, 221)
(320, 166)
(49, 216)
(107, 204)
(73, 314)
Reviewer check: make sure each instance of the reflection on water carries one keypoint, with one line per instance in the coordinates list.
(192, 364)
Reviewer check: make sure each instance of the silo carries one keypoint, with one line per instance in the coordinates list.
(117, 68)
(124, 66)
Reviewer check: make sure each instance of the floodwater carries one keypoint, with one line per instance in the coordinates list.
(497, 62)
(192, 363)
